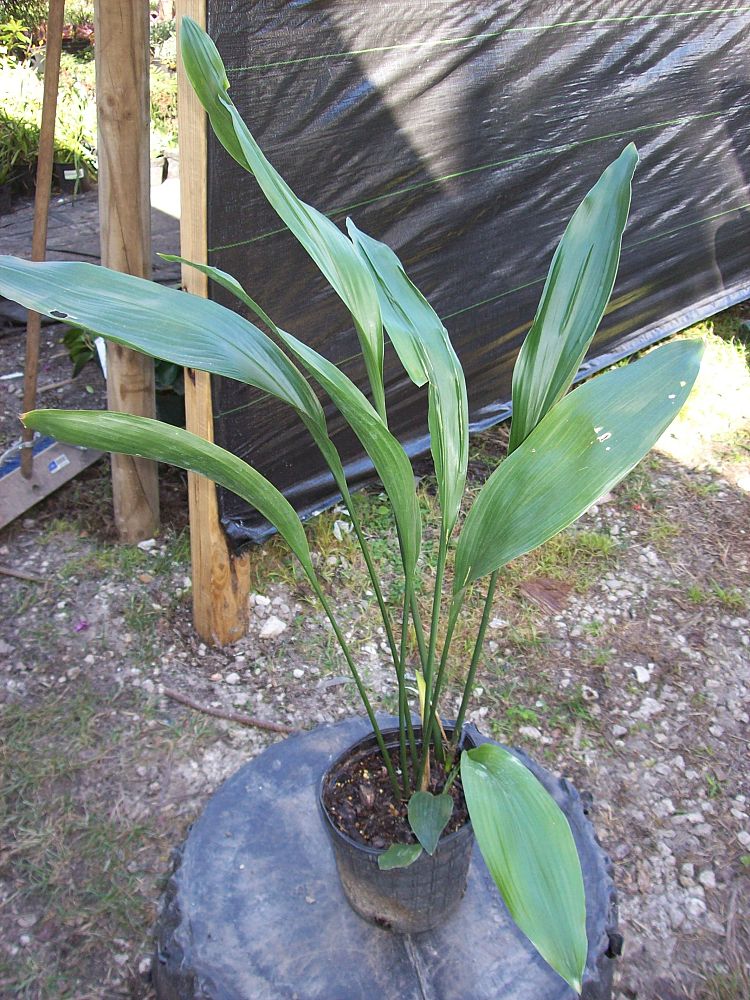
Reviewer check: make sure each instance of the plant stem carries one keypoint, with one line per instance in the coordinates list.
(434, 623)
(418, 629)
(361, 689)
(404, 719)
(475, 658)
(356, 524)
(430, 665)
(433, 703)
(451, 777)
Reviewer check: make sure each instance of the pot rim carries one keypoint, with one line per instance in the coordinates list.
(359, 844)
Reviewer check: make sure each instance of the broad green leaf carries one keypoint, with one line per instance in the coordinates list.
(529, 850)
(184, 329)
(399, 856)
(585, 444)
(425, 350)
(131, 435)
(428, 817)
(325, 243)
(575, 295)
(388, 456)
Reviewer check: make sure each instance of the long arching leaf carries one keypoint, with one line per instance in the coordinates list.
(585, 444)
(326, 244)
(130, 435)
(388, 456)
(529, 850)
(163, 322)
(422, 343)
(575, 295)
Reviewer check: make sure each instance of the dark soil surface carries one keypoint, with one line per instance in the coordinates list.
(360, 800)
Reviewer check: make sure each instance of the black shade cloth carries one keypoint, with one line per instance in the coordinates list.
(465, 134)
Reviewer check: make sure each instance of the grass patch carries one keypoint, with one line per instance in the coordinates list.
(82, 851)
(729, 598)
(576, 556)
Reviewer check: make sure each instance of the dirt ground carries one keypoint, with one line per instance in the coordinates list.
(618, 654)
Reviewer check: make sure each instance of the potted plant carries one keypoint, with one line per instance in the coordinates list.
(417, 786)
(75, 139)
(13, 157)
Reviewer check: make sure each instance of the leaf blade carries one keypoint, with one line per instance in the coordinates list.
(422, 343)
(529, 850)
(428, 817)
(328, 247)
(131, 435)
(159, 321)
(575, 295)
(580, 450)
(398, 856)
(388, 456)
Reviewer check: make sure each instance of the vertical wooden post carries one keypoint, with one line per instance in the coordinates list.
(41, 212)
(221, 580)
(123, 117)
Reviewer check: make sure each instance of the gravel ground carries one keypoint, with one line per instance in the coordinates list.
(619, 655)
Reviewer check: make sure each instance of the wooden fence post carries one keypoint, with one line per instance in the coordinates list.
(123, 114)
(221, 580)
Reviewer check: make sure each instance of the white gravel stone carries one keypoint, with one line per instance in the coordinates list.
(642, 674)
(649, 707)
(695, 906)
(233, 678)
(744, 838)
(531, 733)
(272, 628)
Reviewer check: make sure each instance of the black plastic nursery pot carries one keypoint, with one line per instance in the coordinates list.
(71, 178)
(404, 900)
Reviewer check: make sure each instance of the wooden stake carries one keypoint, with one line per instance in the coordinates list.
(123, 115)
(41, 213)
(221, 580)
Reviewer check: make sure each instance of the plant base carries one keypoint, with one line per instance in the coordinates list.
(405, 900)
(254, 907)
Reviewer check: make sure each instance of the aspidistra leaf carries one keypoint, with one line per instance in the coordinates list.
(131, 435)
(422, 343)
(529, 850)
(163, 322)
(585, 444)
(398, 856)
(325, 243)
(574, 298)
(388, 456)
(428, 817)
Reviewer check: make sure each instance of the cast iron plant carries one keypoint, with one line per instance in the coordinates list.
(566, 450)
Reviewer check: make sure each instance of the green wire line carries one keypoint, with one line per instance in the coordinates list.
(547, 151)
(485, 36)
